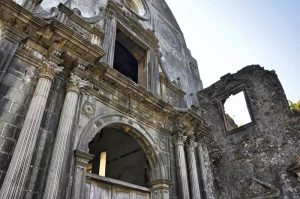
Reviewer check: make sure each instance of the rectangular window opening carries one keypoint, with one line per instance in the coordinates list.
(130, 58)
(236, 113)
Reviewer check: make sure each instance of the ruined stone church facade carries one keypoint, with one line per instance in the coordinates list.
(101, 99)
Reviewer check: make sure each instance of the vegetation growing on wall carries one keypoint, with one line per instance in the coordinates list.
(295, 106)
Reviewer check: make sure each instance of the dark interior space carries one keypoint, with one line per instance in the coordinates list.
(125, 159)
(125, 62)
(130, 58)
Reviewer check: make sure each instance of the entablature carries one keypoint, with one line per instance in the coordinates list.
(132, 99)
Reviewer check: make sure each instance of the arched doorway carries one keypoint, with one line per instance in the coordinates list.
(118, 156)
(153, 180)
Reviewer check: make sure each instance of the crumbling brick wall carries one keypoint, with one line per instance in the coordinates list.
(253, 160)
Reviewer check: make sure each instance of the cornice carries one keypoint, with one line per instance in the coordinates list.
(171, 86)
(95, 29)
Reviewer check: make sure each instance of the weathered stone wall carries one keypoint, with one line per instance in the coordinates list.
(15, 95)
(16, 90)
(252, 162)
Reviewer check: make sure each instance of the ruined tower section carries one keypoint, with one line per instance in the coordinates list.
(257, 158)
(95, 102)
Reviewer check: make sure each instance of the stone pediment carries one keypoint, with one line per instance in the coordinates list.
(260, 190)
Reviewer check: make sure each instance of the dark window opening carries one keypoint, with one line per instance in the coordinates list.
(236, 113)
(125, 62)
(130, 58)
(118, 156)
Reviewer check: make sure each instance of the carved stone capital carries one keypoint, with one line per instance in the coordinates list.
(190, 143)
(179, 138)
(48, 70)
(82, 158)
(76, 83)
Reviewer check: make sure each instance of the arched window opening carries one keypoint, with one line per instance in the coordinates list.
(118, 156)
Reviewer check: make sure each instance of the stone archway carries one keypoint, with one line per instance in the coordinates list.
(159, 178)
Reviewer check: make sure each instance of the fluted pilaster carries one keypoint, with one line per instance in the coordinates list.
(182, 176)
(62, 136)
(15, 178)
(192, 168)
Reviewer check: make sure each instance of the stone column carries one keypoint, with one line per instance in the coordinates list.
(63, 133)
(181, 166)
(193, 174)
(15, 178)
(81, 161)
(207, 178)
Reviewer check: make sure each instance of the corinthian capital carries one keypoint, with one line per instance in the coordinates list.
(76, 83)
(191, 144)
(179, 138)
(48, 70)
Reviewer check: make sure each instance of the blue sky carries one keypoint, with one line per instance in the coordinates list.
(226, 35)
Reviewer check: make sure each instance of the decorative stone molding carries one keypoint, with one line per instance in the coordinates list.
(191, 144)
(90, 32)
(76, 83)
(179, 138)
(48, 70)
(170, 92)
(139, 8)
(137, 102)
(88, 109)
